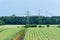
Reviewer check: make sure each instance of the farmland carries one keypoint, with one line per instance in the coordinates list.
(42, 34)
(10, 33)
(21, 33)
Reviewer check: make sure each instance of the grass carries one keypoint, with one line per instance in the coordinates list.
(42, 34)
(9, 33)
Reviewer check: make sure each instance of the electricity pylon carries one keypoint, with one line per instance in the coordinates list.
(38, 16)
(46, 16)
(46, 13)
(27, 21)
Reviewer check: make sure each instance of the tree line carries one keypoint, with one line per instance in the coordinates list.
(32, 20)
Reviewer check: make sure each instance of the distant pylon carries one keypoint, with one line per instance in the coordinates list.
(27, 22)
(46, 13)
(39, 16)
(46, 16)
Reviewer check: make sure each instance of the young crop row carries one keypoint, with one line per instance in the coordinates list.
(10, 33)
(31, 34)
(2, 29)
(42, 34)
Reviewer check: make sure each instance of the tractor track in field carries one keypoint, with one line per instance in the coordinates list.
(44, 34)
(3, 30)
(20, 36)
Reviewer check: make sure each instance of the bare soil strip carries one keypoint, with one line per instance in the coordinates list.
(19, 37)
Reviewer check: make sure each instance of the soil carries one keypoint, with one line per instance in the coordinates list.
(19, 37)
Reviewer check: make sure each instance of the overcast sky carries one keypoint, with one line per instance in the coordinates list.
(19, 7)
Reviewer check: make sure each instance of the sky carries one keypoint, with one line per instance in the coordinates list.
(19, 7)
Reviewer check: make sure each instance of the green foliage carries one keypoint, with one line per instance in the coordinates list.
(1, 22)
(33, 25)
(48, 25)
(30, 25)
(58, 26)
(32, 20)
(40, 26)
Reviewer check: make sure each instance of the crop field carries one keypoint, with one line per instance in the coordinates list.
(20, 33)
(42, 34)
(10, 33)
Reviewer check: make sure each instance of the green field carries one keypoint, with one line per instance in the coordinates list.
(10, 33)
(30, 33)
(42, 34)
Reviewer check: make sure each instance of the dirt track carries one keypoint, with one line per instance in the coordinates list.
(19, 37)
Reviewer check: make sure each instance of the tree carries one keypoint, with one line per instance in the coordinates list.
(1, 22)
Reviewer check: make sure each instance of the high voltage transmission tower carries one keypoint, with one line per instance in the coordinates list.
(46, 16)
(38, 16)
(46, 13)
(27, 17)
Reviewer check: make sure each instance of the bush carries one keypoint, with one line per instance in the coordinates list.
(58, 26)
(48, 25)
(33, 25)
(40, 26)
